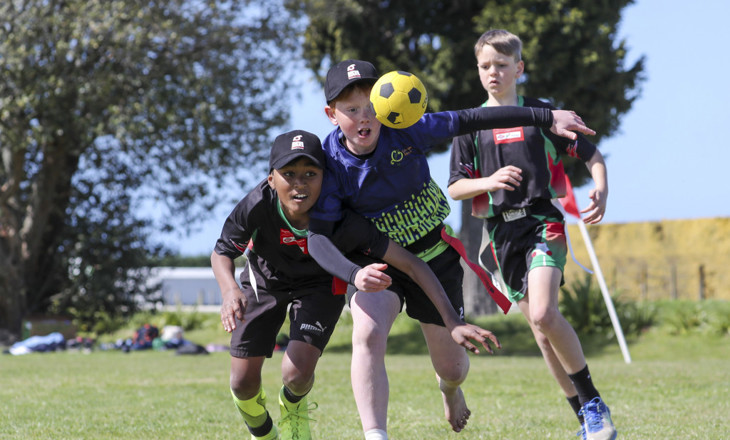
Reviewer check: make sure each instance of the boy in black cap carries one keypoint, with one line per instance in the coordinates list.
(382, 174)
(272, 221)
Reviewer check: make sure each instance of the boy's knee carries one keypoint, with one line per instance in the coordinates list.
(297, 381)
(244, 389)
(369, 337)
(243, 386)
(544, 320)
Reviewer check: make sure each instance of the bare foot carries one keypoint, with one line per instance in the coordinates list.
(455, 408)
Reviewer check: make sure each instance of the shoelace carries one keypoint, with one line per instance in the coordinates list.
(593, 417)
(299, 413)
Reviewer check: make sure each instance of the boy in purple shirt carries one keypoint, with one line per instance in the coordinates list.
(382, 174)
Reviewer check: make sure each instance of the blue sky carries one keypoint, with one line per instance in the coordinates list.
(662, 165)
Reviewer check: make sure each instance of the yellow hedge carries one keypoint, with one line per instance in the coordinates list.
(685, 259)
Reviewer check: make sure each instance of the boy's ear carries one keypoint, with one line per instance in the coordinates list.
(330, 112)
(520, 68)
(270, 179)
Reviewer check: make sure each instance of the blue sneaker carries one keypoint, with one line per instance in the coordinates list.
(598, 424)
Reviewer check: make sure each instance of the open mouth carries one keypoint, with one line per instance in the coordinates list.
(363, 132)
(300, 196)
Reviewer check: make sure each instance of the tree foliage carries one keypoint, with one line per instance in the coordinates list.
(572, 54)
(110, 106)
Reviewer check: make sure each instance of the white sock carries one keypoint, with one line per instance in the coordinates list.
(376, 434)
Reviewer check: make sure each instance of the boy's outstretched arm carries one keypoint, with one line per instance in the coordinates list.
(599, 194)
(234, 302)
(561, 122)
(419, 272)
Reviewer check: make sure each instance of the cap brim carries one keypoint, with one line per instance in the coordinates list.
(283, 161)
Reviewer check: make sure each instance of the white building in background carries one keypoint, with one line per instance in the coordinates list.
(189, 286)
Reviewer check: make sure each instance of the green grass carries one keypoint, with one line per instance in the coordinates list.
(677, 387)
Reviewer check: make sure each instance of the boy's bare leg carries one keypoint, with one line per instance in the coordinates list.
(297, 366)
(451, 363)
(544, 285)
(245, 378)
(553, 363)
(372, 316)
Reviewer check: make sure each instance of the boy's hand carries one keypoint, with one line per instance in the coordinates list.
(464, 332)
(597, 207)
(234, 305)
(372, 279)
(566, 122)
(507, 178)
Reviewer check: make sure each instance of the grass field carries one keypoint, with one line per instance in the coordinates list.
(675, 388)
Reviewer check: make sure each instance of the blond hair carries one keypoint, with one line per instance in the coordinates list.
(502, 41)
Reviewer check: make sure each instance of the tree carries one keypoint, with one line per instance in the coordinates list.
(571, 55)
(117, 119)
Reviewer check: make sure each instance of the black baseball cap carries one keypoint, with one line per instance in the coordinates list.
(345, 73)
(294, 144)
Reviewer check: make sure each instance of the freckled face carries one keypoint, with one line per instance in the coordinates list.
(297, 185)
(498, 72)
(355, 116)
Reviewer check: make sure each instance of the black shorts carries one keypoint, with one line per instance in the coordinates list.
(510, 249)
(447, 268)
(313, 314)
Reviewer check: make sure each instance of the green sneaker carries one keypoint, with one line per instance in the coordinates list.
(294, 423)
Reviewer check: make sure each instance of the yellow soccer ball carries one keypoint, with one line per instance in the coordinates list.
(399, 99)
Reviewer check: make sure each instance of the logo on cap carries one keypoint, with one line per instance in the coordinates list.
(296, 143)
(352, 73)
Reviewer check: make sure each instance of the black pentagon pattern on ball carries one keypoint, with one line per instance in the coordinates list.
(386, 90)
(393, 117)
(414, 95)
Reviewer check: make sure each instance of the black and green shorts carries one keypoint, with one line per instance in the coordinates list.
(521, 240)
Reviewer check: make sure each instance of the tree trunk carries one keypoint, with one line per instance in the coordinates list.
(30, 237)
(476, 299)
(12, 301)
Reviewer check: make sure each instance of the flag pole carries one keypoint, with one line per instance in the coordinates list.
(571, 207)
(604, 291)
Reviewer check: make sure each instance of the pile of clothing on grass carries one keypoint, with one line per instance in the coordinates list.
(148, 337)
(39, 344)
